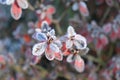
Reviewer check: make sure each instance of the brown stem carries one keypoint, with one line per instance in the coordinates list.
(31, 7)
(105, 15)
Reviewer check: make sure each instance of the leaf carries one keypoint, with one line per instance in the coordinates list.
(2, 59)
(50, 55)
(109, 2)
(52, 32)
(58, 43)
(104, 39)
(80, 42)
(70, 58)
(107, 28)
(22, 3)
(83, 9)
(69, 44)
(3, 1)
(38, 30)
(75, 6)
(84, 51)
(9, 2)
(38, 49)
(45, 27)
(16, 11)
(71, 32)
(50, 10)
(41, 37)
(59, 56)
(79, 63)
(54, 48)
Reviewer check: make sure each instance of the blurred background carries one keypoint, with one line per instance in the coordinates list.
(97, 20)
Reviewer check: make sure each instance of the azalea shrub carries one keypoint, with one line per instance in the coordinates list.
(60, 40)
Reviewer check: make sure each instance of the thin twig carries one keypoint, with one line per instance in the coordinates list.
(31, 7)
(56, 22)
(105, 15)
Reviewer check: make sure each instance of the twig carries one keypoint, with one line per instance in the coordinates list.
(105, 15)
(56, 22)
(31, 7)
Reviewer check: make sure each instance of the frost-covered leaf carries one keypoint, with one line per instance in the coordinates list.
(80, 42)
(70, 31)
(107, 28)
(79, 64)
(9, 2)
(59, 56)
(3, 1)
(83, 8)
(41, 37)
(38, 49)
(45, 27)
(109, 2)
(23, 4)
(69, 44)
(84, 51)
(2, 59)
(50, 55)
(52, 32)
(50, 10)
(70, 58)
(16, 11)
(38, 30)
(54, 48)
(75, 6)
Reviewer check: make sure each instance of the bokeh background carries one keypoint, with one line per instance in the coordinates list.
(97, 20)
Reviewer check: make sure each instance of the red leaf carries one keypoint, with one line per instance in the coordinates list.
(79, 64)
(16, 11)
(58, 56)
(50, 10)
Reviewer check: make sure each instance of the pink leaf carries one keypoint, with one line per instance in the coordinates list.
(2, 59)
(107, 28)
(50, 55)
(59, 56)
(79, 63)
(83, 8)
(16, 11)
(51, 10)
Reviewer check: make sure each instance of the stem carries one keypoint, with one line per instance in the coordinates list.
(31, 7)
(59, 30)
(105, 15)
(111, 50)
(62, 16)
(95, 59)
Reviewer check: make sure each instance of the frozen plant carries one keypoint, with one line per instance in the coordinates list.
(48, 43)
(52, 46)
